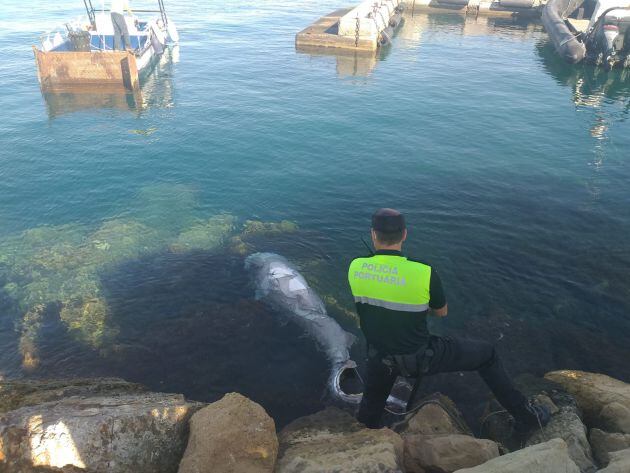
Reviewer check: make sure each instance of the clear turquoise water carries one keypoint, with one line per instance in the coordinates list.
(512, 169)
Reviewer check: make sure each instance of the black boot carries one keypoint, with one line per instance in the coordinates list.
(531, 416)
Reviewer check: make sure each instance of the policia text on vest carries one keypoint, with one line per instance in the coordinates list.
(393, 295)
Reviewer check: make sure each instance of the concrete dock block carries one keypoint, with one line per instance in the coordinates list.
(358, 28)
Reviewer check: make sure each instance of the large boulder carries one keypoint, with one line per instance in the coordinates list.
(619, 462)
(231, 435)
(567, 425)
(333, 441)
(27, 467)
(141, 432)
(437, 438)
(437, 415)
(548, 457)
(19, 393)
(446, 453)
(615, 417)
(604, 443)
(593, 393)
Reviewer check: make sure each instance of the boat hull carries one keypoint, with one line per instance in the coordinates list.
(90, 68)
(564, 40)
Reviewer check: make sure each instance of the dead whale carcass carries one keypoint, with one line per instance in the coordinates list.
(281, 286)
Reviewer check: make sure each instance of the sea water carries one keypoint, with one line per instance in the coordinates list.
(124, 221)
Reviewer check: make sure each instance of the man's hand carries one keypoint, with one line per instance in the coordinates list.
(441, 312)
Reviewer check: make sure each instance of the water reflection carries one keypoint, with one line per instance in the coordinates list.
(410, 35)
(348, 63)
(592, 86)
(417, 24)
(604, 93)
(156, 92)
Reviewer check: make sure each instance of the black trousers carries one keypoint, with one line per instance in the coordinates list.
(449, 354)
(121, 33)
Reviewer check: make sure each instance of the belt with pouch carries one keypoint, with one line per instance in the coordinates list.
(411, 365)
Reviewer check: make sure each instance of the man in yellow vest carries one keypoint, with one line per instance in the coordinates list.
(394, 295)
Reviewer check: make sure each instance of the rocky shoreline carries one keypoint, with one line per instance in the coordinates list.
(110, 425)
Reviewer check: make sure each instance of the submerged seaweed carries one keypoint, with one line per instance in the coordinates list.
(59, 267)
(256, 227)
(206, 235)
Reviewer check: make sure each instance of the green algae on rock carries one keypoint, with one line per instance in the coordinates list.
(240, 247)
(121, 239)
(256, 227)
(88, 318)
(206, 235)
(60, 267)
(31, 323)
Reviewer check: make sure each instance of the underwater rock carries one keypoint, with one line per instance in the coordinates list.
(233, 434)
(258, 228)
(142, 432)
(62, 286)
(120, 240)
(41, 250)
(349, 316)
(62, 265)
(205, 236)
(31, 325)
(332, 440)
(239, 247)
(88, 319)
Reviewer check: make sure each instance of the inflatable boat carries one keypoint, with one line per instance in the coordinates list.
(585, 30)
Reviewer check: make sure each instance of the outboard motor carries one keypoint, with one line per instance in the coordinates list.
(609, 34)
(605, 40)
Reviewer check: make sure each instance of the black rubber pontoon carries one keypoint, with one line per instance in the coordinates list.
(568, 46)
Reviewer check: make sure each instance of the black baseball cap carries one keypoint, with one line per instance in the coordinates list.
(388, 221)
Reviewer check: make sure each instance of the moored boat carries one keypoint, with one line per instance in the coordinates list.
(82, 53)
(585, 30)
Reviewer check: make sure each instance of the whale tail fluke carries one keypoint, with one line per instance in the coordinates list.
(346, 383)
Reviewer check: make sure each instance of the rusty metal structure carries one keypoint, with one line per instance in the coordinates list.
(59, 70)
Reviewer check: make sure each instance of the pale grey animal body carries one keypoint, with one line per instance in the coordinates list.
(281, 286)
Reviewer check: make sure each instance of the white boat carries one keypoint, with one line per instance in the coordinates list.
(82, 53)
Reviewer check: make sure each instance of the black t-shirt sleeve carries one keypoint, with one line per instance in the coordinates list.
(437, 298)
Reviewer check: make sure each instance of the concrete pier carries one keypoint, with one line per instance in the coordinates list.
(362, 28)
(359, 28)
(500, 8)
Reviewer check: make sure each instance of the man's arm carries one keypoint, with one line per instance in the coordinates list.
(437, 303)
(441, 312)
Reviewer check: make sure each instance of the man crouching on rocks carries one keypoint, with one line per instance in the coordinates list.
(394, 295)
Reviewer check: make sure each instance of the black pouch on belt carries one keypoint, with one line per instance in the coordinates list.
(412, 365)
